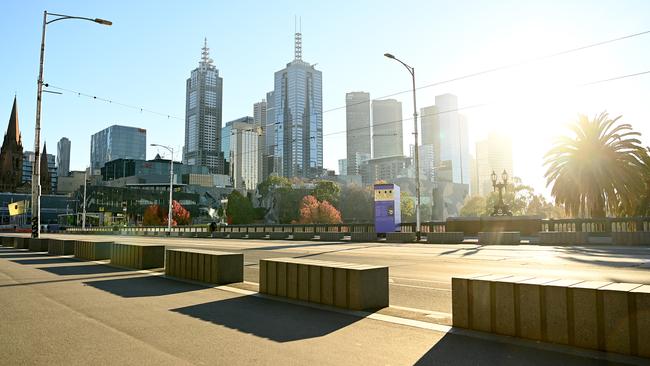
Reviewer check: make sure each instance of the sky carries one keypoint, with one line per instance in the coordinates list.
(144, 59)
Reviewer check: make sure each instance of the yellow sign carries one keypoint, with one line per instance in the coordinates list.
(16, 208)
(384, 195)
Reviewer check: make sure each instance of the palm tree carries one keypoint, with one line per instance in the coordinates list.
(599, 171)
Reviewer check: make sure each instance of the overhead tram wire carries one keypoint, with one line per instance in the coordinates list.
(467, 76)
(459, 109)
(504, 67)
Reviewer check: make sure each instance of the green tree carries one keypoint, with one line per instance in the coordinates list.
(272, 182)
(407, 206)
(599, 171)
(329, 191)
(474, 206)
(356, 204)
(239, 209)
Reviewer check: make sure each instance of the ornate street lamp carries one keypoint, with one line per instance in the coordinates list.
(500, 208)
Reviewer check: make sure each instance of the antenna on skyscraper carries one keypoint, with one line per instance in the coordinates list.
(298, 40)
(205, 53)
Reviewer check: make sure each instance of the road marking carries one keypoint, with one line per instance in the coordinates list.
(436, 314)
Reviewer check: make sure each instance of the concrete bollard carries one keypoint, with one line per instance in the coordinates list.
(367, 237)
(38, 245)
(257, 235)
(631, 238)
(531, 312)
(138, 256)
(93, 251)
(330, 236)
(302, 235)
(505, 293)
(616, 316)
(60, 247)
(205, 265)
(481, 302)
(21, 243)
(237, 235)
(563, 238)
(445, 238)
(278, 235)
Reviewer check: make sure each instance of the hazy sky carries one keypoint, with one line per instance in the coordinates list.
(148, 53)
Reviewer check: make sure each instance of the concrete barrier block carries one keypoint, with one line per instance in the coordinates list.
(341, 287)
(315, 283)
(368, 287)
(21, 243)
(257, 235)
(38, 245)
(272, 278)
(631, 238)
(481, 302)
(138, 256)
(363, 237)
(205, 265)
(505, 304)
(7, 241)
(400, 237)
(453, 237)
(557, 309)
(237, 235)
(303, 282)
(60, 247)
(616, 316)
(218, 234)
(263, 277)
(278, 235)
(499, 238)
(330, 236)
(585, 312)
(641, 331)
(302, 235)
(460, 299)
(281, 270)
(292, 280)
(530, 307)
(563, 238)
(327, 285)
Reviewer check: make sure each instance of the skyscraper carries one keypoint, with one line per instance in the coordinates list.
(492, 154)
(117, 142)
(203, 102)
(387, 137)
(298, 118)
(357, 120)
(63, 157)
(244, 153)
(268, 158)
(446, 129)
(259, 117)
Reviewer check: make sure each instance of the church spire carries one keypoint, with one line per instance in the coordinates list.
(13, 130)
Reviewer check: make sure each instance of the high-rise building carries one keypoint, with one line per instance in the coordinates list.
(203, 111)
(387, 136)
(343, 166)
(11, 154)
(446, 129)
(492, 154)
(49, 179)
(243, 153)
(63, 157)
(268, 151)
(117, 142)
(357, 120)
(298, 118)
(260, 120)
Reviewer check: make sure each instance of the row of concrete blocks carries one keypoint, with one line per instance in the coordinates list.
(279, 235)
(79, 248)
(345, 285)
(611, 317)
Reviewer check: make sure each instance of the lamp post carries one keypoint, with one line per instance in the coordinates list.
(36, 170)
(416, 152)
(500, 208)
(171, 182)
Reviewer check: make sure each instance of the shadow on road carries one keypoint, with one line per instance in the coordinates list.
(86, 269)
(292, 246)
(608, 256)
(143, 286)
(274, 320)
(45, 260)
(335, 251)
(454, 349)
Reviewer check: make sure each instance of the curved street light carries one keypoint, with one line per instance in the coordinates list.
(171, 182)
(36, 169)
(416, 150)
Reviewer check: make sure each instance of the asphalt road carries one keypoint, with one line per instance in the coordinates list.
(420, 274)
(63, 311)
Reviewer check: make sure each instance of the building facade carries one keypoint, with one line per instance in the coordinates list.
(117, 142)
(11, 154)
(447, 131)
(387, 135)
(49, 178)
(203, 113)
(298, 118)
(63, 157)
(387, 169)
(357, 122)
(244, 154)
(260, 120)
(492, 154)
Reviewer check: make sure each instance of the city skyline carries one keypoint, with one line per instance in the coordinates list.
(500, 96)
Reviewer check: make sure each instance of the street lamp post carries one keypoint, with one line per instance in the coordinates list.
(500, 208)
(416, 154)
(171, 182)
(36, 169)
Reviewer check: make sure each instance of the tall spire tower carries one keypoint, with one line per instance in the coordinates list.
(11, 154)
(205, 53)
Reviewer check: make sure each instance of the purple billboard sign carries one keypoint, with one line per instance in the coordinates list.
(387, 208)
